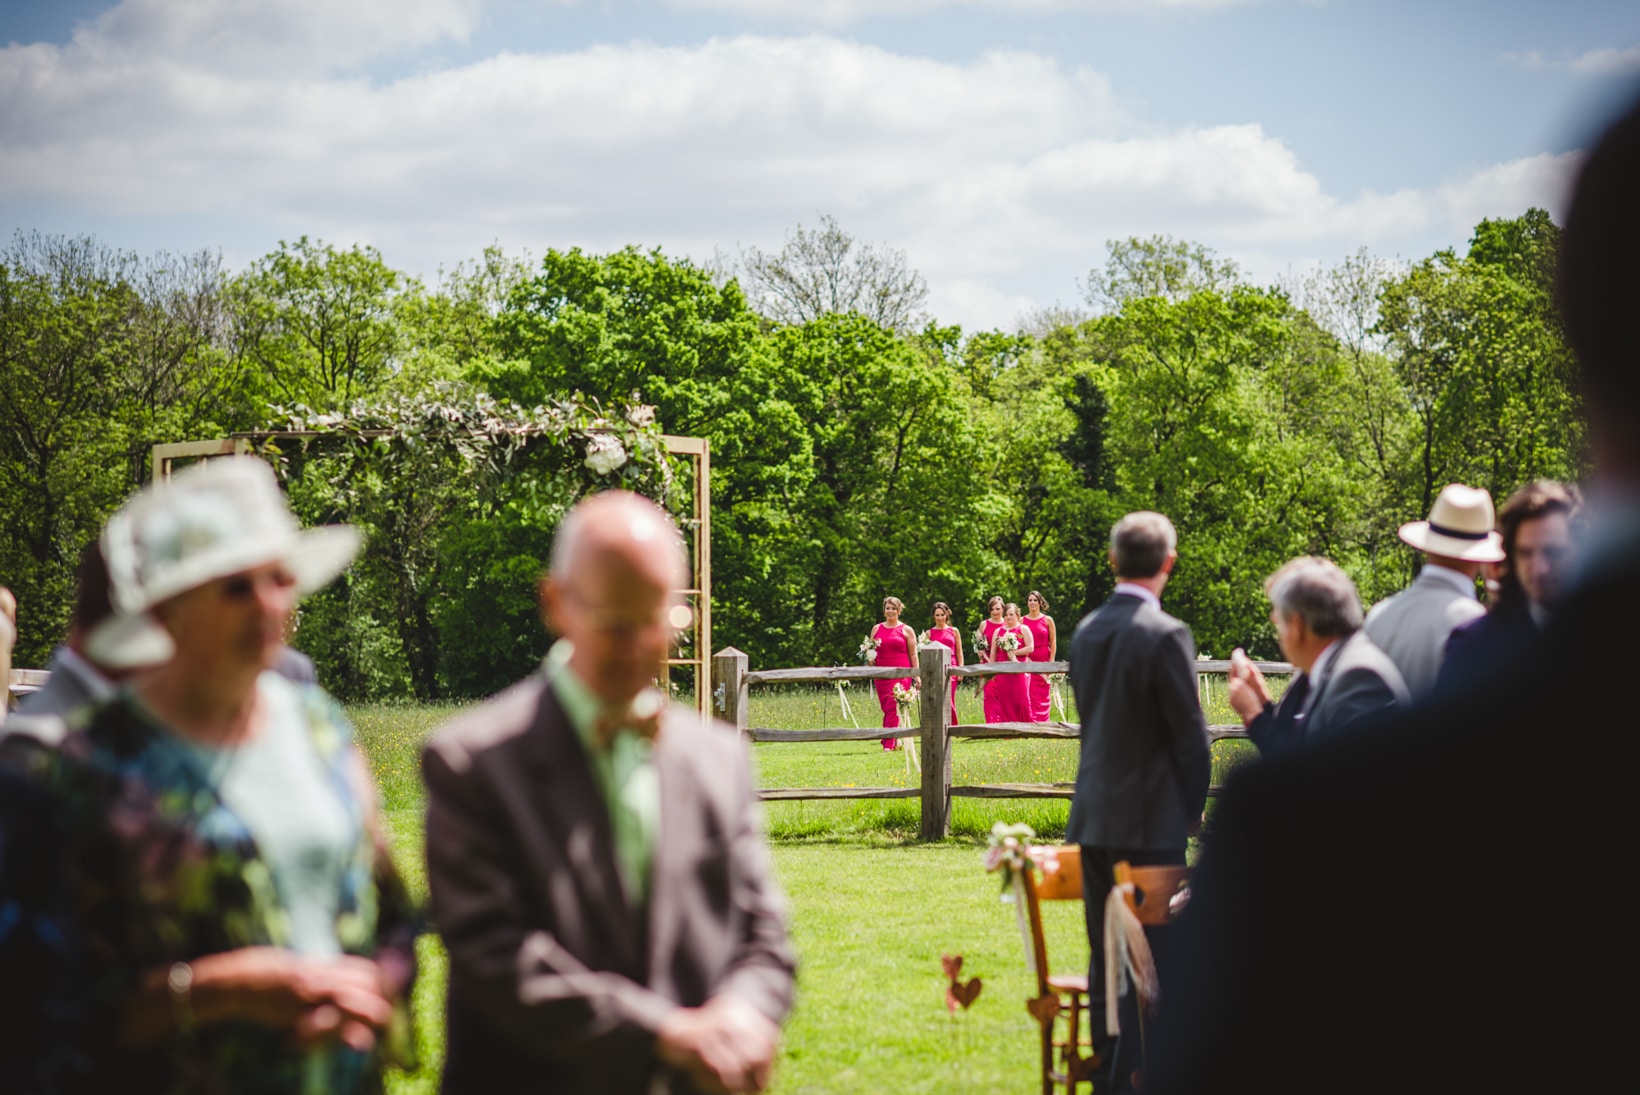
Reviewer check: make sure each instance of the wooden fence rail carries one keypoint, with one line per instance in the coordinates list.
(934, 729)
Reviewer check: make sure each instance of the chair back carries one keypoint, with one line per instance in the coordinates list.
(1153, 891)
(1060, 871)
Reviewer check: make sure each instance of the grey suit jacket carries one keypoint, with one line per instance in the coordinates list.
(556, 984)
(1412, 628)
(1359, 684)
(1142, 780)
(73, 684)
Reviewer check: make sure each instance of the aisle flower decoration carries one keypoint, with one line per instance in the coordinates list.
(1008, 849)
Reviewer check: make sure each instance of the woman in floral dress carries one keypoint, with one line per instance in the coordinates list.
(242, 925)
(1011, 643)
(895, 645)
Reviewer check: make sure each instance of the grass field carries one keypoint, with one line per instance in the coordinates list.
(871, 910)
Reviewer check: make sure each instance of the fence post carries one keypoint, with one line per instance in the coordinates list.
(934, 720)
(729, 668)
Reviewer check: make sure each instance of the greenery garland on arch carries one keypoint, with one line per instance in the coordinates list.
(458, 494)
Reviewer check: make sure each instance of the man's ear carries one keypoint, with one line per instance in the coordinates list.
(1111, 555)
(1167, 564)
(547, 598)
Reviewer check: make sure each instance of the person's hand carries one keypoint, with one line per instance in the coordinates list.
(1247, 691)
(313, 999)
(726, 1045)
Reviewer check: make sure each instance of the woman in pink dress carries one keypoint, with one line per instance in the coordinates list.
(1013, 696)
(942, 632)
(987, 631)
(896, 646)
(1044, 645)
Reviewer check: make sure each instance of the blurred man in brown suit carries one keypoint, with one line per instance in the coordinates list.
(596, 858)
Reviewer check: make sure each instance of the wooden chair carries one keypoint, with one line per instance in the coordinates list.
(1061, 999)
(1151, 900)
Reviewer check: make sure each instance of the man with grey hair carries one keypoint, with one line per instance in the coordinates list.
(1142, 780)
(596, 858)
(1343, 678)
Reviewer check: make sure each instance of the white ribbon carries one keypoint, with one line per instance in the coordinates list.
(1126, 951)
(1018, 896)
(848, 712)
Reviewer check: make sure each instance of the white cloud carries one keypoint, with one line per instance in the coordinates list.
(1602, 61)
(835, 13)
(1002, 177)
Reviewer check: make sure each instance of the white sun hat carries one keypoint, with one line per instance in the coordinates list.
(1459, 527)
(221, 517)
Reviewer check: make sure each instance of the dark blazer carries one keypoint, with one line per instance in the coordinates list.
(1142, 780)
(556, 984)
(1487, 650)
(1396, 881)
(1360, 683)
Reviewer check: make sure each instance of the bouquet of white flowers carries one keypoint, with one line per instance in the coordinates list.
(923, 639)
(1009, 641)
(981, 647)
(868, 650)
(905, 695)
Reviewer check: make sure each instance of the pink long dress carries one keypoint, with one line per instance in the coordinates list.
(988, 690)
(1013, 695)
(949, 637)
(893, 649)
(1040, 694)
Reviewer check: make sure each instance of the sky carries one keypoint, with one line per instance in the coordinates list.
(999, 143)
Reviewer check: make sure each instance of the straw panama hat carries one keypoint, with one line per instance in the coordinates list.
(214, 519)
(1459, 527)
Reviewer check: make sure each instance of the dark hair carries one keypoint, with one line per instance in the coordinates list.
(1534, 500)
(1011, 607)
(994, 601)
(1041, 601)
(91, 602)
(941, 604)
(1598, 278)
(1142, 542)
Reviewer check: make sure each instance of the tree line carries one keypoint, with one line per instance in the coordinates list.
(859, 447)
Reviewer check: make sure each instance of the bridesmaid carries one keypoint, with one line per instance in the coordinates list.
(1013, 696)
(896, 646)
(987, 632)
(943, 632)
(1044, 645)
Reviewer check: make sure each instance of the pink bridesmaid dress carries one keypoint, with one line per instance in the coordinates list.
(892, 650)
(988, 690)
(949, 637)
(1013, 695)
(1040, 694)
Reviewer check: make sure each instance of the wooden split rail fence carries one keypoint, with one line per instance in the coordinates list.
(934, 730)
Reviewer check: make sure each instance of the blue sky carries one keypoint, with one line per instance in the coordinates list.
(999, 143)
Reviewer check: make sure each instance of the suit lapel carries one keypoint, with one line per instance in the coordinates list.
(1319, 690)
(574, 809)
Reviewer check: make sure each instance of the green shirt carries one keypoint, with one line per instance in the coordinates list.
(625, 774)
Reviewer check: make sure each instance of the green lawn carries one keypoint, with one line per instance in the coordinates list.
(871, 910)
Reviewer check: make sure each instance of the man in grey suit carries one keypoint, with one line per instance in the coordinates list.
(78, 678)
(1142, 780)
(1412, 627)
(596, 858)
(1343, 678)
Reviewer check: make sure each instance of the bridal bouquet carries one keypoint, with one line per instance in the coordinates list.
(1008, 642)
(868, 650)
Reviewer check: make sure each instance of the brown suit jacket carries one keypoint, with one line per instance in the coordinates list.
(556, 982)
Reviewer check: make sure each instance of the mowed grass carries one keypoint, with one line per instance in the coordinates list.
(872, 911)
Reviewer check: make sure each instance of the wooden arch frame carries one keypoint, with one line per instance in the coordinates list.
(696, 449)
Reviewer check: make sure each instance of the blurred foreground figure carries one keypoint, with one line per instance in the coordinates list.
(240, 922)
(596, 857)
(1408, 909)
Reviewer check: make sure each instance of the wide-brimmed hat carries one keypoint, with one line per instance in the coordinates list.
(214, 519)
(1459, 527)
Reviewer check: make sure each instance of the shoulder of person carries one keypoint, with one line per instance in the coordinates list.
(502, 718)
(1362, 658)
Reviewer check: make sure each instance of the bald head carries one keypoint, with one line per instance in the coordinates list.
(616, 563)
(623, 530)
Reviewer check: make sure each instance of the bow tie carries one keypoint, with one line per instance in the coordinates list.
(641, 717)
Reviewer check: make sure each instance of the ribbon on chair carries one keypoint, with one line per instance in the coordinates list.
(1018, 895)
(1127, 951)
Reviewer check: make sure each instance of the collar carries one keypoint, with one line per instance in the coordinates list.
(1442, 575)
(580, 703)
(1318, 671)
(79, 666)
(1132, 590)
